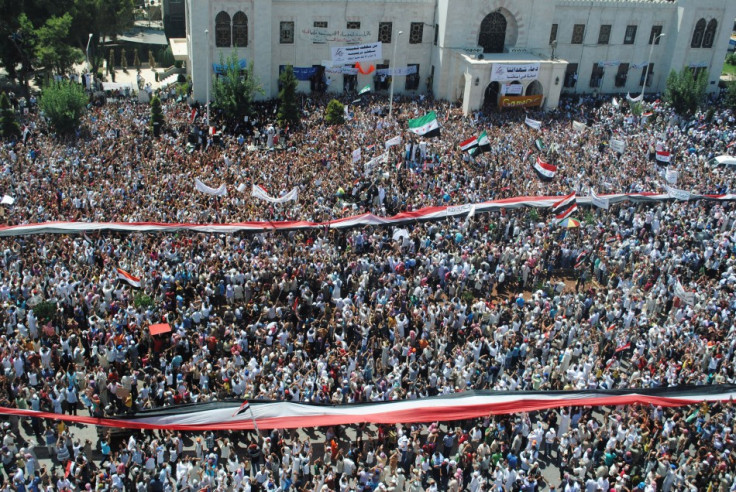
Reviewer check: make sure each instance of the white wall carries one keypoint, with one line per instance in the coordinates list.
(529, 23)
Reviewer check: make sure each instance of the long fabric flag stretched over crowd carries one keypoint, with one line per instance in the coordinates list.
(426, 126)
(228, 415)
(421, 215)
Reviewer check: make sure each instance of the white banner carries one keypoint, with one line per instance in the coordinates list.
(680, 195)
(598, 201)
(394, 141)
(609, 63)
(513, 89)
(357, 53)
(325, 35)
(634, 99)
(514, 71)
(618, 145)
(578, 126)
(671, 176)
(200, 186)
(7, 200)
(397, 71)
(533, 123)
(356, 155)
(686, 297)
(259, 192)
(341, 70)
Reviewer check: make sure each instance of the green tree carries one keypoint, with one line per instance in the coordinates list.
(685, 92)
(636, 109)
(731, 96)
(17, 49)
(53, 52)
(63, 104)
(115, 16)
(288, 109)
(157, 116)
(9, 126)
(233, 91)
(335, 113)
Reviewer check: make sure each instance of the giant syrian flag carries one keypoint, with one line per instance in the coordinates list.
(229, 415)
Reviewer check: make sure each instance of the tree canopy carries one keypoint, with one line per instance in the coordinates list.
(685, 92)
(233, 90)
(288, 110)
(52, 35)
(63, 104)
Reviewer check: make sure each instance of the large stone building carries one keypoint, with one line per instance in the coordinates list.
(476, 52)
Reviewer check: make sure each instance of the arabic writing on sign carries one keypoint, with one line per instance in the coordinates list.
(511, 71)
(317, 35)
(357, 53)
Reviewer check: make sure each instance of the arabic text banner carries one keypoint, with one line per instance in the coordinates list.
(503, 72)
(357, 53)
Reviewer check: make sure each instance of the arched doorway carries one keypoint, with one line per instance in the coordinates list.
(490, 99)
(534, 89)
(492, 33)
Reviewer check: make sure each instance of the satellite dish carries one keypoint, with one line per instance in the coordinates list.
(480, 56)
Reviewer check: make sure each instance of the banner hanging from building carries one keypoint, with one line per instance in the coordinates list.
(513, 89)
(520, 101)
(397, 71)
(357, 53)
(514, 71)
(344, 70)
(324, 35)
(304, 73)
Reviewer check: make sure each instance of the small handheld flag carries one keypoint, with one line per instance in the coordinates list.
(134, 281)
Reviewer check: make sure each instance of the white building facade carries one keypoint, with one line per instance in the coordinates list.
(473, 52)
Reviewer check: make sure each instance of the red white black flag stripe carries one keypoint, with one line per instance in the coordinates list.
(545, 170)
(564, 204)
(224, 415)
(363, 220)
(132, 280)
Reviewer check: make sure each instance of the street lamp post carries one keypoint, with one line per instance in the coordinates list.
(649, 61)
(393, 77)
(86, 52)
(207, 81)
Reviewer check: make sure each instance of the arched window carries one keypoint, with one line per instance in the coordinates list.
(240, 30)
(698, 34)
(222, 30)
(492, 33)
(710, 34)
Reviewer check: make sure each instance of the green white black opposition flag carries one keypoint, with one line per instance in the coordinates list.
(426, 126)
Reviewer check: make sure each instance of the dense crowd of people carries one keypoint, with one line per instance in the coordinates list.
(499, 301)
